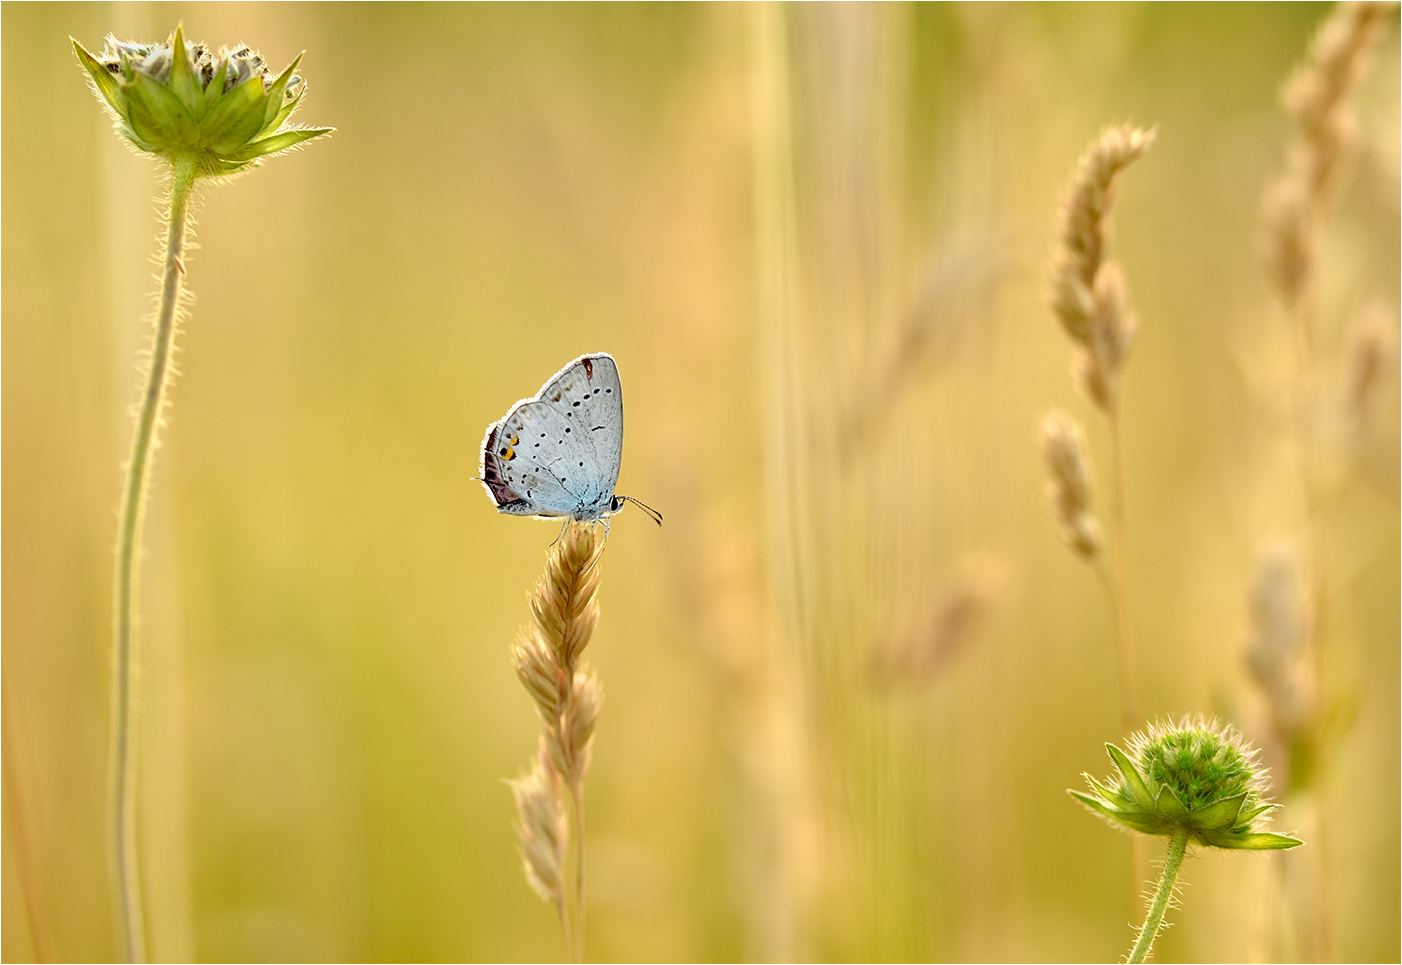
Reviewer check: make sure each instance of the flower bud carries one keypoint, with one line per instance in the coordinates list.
(178, 100)
(1194, 776)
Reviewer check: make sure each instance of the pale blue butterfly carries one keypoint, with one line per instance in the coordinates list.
(558, 454)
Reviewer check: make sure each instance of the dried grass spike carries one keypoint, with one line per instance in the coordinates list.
(1069, 484)
(1317, 97)
(542, 830)
(586, 702)
(539, 673)
(1088, 295)
(1280, 624)
(563, 605)
(1371, 358)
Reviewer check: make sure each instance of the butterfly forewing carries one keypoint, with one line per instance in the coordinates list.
(524, 462)
(590, 395)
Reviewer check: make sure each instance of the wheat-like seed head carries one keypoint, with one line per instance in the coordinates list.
(1317, 97)
(568, 698)
(540, 673)
(563, 605)
(1371, 356)
(570, 742)
(1279, 627)
(541, 829)
(1069, 484)
(1088, 294)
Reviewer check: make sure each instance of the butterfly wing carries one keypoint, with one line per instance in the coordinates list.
(589, 394)
(527, 462)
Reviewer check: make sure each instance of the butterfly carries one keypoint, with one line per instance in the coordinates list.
(558, 454)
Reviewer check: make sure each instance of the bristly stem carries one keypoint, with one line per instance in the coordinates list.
(122, 792)
(1154, 921)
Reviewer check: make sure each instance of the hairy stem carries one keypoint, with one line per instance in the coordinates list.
(1154, 921)
(122, 799)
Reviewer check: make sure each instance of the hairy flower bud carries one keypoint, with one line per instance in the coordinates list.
(178, 100)
(1195, 777)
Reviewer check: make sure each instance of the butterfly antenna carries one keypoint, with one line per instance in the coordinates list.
(652, 513)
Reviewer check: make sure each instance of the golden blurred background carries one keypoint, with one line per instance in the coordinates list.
(850, 679)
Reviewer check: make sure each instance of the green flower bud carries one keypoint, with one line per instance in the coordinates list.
(1194, 776)
(177, 99)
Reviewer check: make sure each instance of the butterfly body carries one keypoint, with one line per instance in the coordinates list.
(558, 454)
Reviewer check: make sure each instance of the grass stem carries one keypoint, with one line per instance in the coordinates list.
(1124, 628)
(577, 793)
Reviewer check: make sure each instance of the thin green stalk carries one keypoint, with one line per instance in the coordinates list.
(122, 799)
(1154, 921)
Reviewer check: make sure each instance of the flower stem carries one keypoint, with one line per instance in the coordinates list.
(1154, 921)
(122, 799)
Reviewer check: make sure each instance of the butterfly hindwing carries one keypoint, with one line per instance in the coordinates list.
(590, 395)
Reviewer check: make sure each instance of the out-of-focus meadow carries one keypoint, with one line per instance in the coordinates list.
(850, 679)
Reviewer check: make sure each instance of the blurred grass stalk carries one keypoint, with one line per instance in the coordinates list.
(1091, 301)
(788, 891)
(1302, 700)
(845, 347)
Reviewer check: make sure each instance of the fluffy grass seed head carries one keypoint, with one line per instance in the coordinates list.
(1088, 294)
(564, 606)
(1069, 484)
(1280, 621)
(1370, 359)
(1194, 776)
(541, 829)
(177, 99)
(1317, 97)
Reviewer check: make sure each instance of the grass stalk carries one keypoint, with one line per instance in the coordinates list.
(122, 790)
(577, 793)
(568, 699)
(23, 842)
(1319, 98)
(1119, 585)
